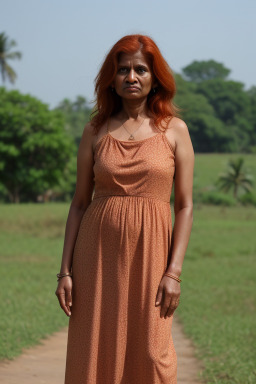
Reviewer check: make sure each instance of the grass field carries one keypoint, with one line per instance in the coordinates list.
(31, 238)
(217, 304)
(208, 166)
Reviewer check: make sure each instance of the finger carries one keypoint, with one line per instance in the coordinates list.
(62, 302)
(68, 298)
(173, 306)
(159, 295)
(165, 304)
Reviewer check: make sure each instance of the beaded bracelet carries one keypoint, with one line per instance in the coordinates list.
(172, 276)
(60, 275)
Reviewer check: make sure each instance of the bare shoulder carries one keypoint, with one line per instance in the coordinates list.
(178, 133)
(177, 126)
(85, 149)
(87, 136)
(88, 130)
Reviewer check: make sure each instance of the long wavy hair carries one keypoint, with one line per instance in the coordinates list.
(160, 104)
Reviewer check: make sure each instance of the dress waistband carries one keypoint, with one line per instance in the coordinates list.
(135, 196)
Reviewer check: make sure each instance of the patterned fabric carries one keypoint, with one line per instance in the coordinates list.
(116, 335)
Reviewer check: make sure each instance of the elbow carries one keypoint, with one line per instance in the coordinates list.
(189, 210)
(184, 206)
(192, 214)
(79, 204)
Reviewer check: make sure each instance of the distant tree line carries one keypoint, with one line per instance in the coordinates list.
(220, 113)
(38, 146)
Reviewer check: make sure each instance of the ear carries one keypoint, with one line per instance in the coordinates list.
(155, 84)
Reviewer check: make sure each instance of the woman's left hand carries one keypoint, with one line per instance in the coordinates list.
(168, 295)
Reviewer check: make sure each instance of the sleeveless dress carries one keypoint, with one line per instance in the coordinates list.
(116, 334)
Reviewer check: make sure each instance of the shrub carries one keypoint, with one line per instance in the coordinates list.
(217, 198)
(248, 198)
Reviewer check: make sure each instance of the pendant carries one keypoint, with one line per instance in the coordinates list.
(131, 137)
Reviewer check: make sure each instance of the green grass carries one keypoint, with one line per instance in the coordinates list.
(31, 238)
(217, 305)
(209, 166)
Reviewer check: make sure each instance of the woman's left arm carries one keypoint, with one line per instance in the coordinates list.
(183, 209)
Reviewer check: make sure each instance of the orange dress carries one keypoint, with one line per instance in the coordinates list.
(116, 334)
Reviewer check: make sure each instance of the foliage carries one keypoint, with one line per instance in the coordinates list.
(235, 178)
(252, 114)
(217, 198)
(34, 148)
(76, 114)
(199, 71)
(6, 46)
(220, 114)
(248, 198)
(206, 130)
(65, 189)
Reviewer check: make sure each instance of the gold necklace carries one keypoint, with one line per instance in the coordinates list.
(131, 137)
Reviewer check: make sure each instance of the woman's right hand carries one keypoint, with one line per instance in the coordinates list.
(64, 294)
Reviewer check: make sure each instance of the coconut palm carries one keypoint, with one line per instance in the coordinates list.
(235, 178)
(6, 46)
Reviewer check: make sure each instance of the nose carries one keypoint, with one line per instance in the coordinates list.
(131, 77)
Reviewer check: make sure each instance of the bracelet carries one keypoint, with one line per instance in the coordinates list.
(60, 275)
(172, 276)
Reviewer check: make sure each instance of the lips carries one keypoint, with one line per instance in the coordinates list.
(131, 87)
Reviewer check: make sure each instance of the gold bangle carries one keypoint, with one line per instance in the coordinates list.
(60, 275)
(172, 276)
(64, 274)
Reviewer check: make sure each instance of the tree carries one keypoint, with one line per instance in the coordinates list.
(199, 71)
(34, 147)
(228, 98)
(6, 46)
(219, 112)
(235, 178)
(252, 115)
(208, 133)
(232, 106)
(76, 114)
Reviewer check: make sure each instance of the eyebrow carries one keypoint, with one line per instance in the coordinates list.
(128, 66)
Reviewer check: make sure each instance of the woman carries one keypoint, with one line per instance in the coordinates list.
(125, 259)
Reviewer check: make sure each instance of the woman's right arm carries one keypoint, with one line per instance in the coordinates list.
(82, 198)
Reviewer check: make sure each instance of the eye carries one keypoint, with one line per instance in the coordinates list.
(141, 69)
(122, 70)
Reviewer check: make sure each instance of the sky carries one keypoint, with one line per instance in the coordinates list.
(64, 43)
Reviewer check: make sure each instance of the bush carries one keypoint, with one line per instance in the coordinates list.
(248, 198)
(217, 198)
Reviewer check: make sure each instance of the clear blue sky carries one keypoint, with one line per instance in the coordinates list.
(64, 42)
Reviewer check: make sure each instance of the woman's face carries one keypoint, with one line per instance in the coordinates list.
(134, 79)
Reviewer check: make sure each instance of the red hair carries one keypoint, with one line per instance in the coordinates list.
(160, 103)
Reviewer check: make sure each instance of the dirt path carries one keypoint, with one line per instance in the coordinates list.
(188, 365)
(45, 364)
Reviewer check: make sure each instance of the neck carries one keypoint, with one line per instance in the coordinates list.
(134, 109)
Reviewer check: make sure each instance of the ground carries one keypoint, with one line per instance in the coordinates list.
(45, 363)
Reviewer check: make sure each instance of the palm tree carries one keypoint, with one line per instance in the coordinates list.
(6, 46)
(235, 178)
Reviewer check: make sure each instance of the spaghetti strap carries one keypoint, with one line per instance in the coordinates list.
(163, 132)
(159, 130)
